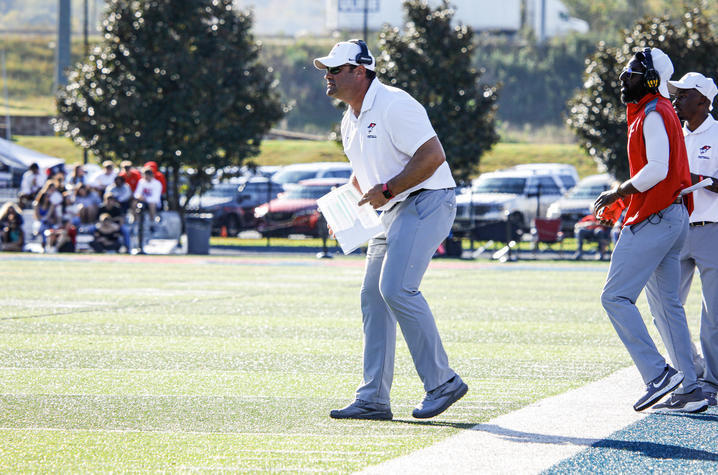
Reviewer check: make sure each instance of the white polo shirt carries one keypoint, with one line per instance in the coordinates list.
(702, 148)
(380, 142)
(149, 191)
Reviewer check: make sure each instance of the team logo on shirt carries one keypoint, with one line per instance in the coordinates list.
(370, 135)
(703, 151)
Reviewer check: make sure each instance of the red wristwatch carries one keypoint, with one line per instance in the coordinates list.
(386, 192)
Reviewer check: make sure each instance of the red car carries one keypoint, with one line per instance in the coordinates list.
(295, 211)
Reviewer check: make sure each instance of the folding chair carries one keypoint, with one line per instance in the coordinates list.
(547, 231)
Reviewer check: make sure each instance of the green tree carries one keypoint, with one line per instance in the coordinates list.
(431, 59)
(597, 115)
(173, 81)
(537, 80)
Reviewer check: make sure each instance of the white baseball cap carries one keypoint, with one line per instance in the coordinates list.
(696, 81)
(664, 67)
(344, 52)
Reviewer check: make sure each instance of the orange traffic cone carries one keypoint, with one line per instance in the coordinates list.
(223, 231)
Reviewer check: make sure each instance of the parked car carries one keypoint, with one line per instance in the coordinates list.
(516, 194)
(232, 202)
(295, 211)
(578, 202)
(566, 173)
(293, 174)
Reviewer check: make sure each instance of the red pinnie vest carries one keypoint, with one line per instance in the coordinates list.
(664, 193)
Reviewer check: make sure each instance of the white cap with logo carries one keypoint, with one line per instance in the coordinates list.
(347, 52)
(696, 81)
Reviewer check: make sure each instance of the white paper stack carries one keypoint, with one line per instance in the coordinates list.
(352, 225)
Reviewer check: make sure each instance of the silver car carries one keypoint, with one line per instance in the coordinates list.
(578, 202)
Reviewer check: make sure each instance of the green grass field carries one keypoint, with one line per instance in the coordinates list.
(120, 363)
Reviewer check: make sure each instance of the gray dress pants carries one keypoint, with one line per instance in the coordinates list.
(701, 251)
(647, 255)
(395, 264)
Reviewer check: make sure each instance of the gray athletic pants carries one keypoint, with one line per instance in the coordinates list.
(701, 251)
(647, 255)
(395, 264)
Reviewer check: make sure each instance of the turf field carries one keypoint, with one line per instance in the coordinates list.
(137, 363)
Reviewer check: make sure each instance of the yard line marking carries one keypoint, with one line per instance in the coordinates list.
(534, 438)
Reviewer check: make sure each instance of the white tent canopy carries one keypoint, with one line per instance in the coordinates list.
(20, 157)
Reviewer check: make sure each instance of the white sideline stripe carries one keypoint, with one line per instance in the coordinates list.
(534, 438)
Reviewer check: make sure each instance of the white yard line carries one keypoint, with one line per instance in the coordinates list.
(534, 438)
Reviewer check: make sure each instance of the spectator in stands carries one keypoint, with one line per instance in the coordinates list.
(148, 193)
(12, 237)
(121, 192)
(159, 176)
(87, 204)
(78, 177)
(104, 179)
(107, 235)
(47, 207)
(58, 177)
(7, 209)
(63, 238)
(589, 228)
(131, 175)
(32, 182)
(112, 207)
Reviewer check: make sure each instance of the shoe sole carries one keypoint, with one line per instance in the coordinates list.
(674, 382)
(463, 389)
(372, 416)
(690, 407)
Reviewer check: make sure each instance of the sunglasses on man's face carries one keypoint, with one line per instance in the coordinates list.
(628, 73)
(336, 69)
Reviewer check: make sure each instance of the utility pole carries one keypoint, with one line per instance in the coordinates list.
(8, 133)
(87, 53)
(62, 58)
(366, 20)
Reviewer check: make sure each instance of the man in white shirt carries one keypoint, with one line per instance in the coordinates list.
(106, 178)
(693, 99)
(32, 181)
(400, 168)
(149, 192)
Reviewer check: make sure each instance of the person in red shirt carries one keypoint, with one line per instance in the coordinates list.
(656, 224)
(131, 175)
(591, 228)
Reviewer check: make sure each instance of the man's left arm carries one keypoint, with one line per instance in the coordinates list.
(421, 166)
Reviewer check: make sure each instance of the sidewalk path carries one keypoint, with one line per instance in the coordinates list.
(535, 438)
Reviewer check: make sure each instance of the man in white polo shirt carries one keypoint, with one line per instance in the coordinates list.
(400, 168)
(693, 99)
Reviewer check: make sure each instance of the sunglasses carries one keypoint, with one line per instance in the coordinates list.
(628, 72)
(337, 69)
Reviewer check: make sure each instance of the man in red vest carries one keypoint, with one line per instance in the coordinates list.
(655, 227)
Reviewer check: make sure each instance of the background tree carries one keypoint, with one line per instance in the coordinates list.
(537, 79)
(173, 81)
(597, 115)
(431, 60)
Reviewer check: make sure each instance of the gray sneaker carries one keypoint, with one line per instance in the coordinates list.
(693, 401)
(438, 400)
(710, 397)
(659, 387)
(363, 410)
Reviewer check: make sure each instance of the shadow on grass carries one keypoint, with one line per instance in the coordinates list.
(455, 425)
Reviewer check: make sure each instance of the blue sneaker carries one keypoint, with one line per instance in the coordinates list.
(440, 399)
(693, 401)
(659, 387)
(363, 410)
